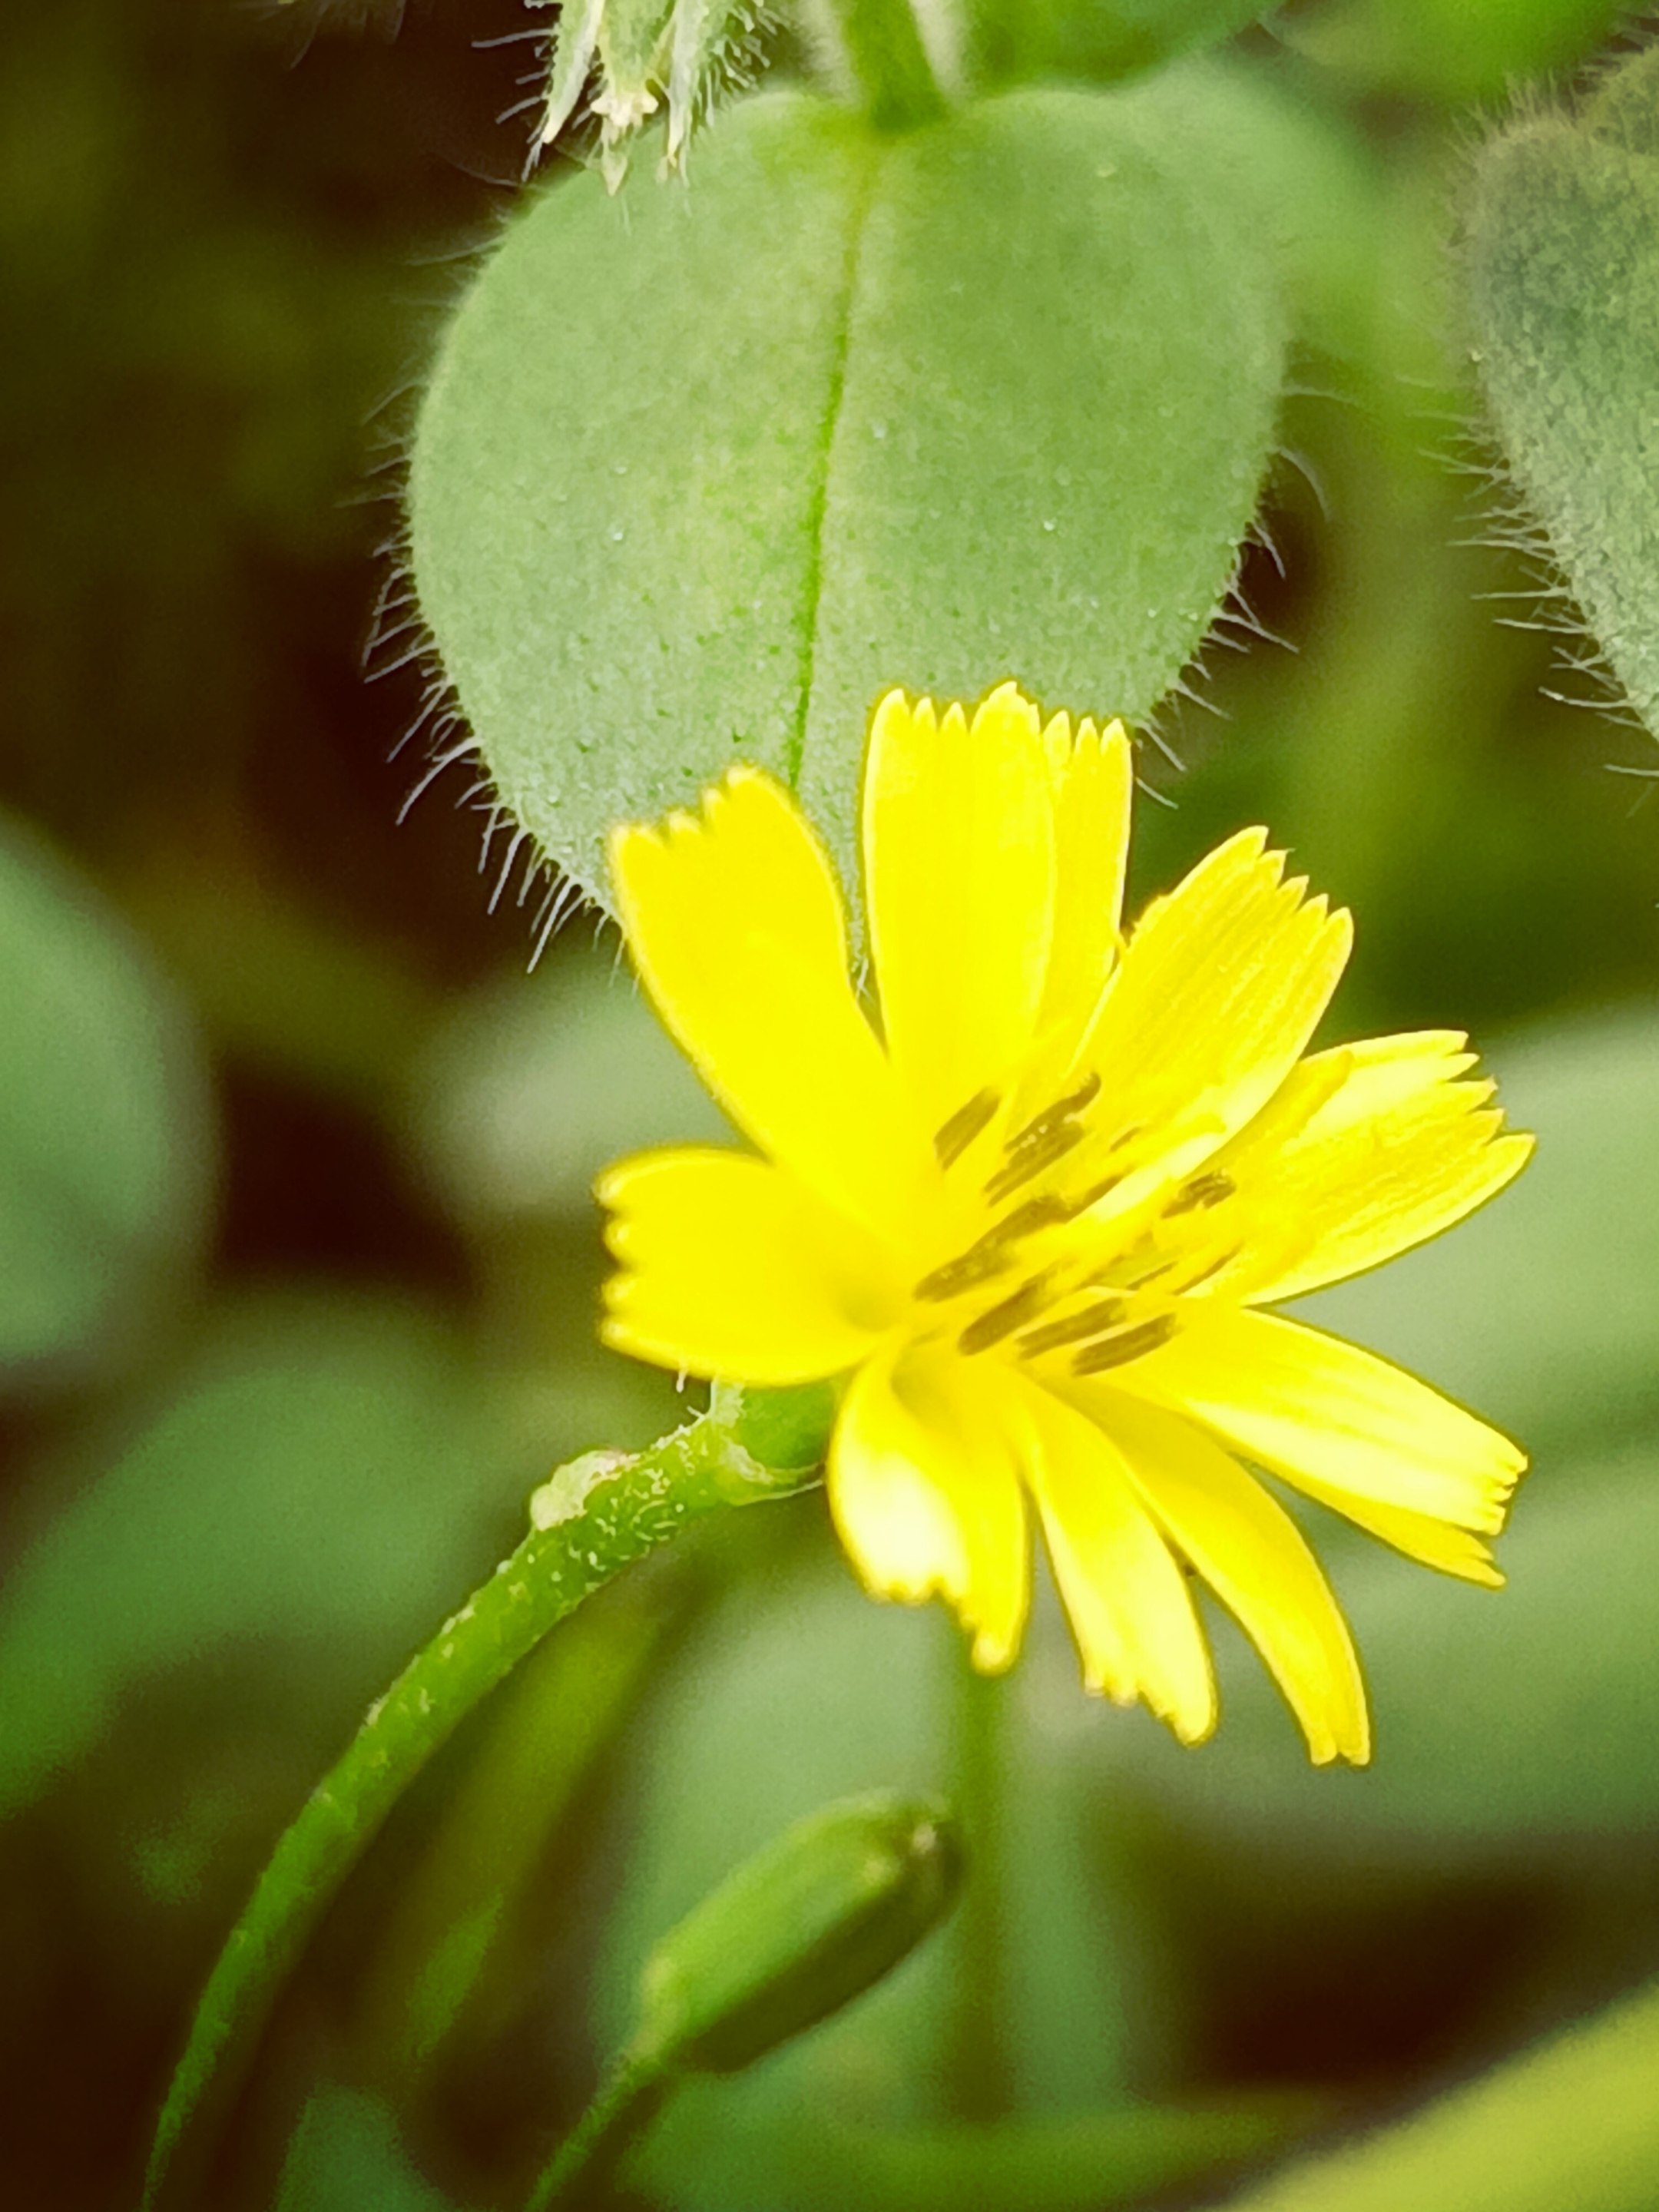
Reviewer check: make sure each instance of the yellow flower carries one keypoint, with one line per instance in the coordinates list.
(1033, 1220)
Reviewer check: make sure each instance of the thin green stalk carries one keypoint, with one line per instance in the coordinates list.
(595, 1517)
(980, 2067)
(626, 2106)
(876, 46)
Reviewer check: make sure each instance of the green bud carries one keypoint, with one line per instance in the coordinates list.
(808, 1923)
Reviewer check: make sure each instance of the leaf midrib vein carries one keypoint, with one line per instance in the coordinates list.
(823, 454)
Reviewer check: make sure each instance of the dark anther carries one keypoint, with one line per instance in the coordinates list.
(1052, 1116)
(1147, 1275)
(1052, 1146)
(1214, 1267)
(1093, 1195)
(979, 1263)
(991, 1255)
(1105, 1313)
(1002, 1320)
(963, 1126)
(1116, 1351)
(1203, 1190)
(1045, 1212)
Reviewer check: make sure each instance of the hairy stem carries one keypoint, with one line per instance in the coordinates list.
(593, 1518)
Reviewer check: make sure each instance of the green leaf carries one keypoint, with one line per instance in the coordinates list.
(106, 1130)
(1561, 266)
(319, 1472)
(1574, 2123)
(589, 1521)
(699, 476)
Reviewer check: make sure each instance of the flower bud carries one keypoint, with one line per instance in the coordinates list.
(813, 1920)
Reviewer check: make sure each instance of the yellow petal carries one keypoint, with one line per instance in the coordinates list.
(1221, 986)
(925, 1494)
(1127, 1601)
(1254, 1557)
(734, 923)
(959, 873)
(1418, 1535)
(1093, 780)
(1403, 1149)
(732, 1267)
(1303, 1404)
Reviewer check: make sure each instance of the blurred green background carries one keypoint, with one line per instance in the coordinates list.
(301, 1264)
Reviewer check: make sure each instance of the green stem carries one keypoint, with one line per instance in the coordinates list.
(880, 48)
(625, 2106)
(603, 1512)
(980, 2064)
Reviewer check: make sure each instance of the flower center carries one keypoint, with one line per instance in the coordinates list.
(1094, 1289)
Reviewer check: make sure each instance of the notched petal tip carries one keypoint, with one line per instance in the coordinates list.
(895, 710)
(990, 1653)
(1190, 1726)
(616, 1335)
(1005, 695)
(627, 839)
(1325, 1753)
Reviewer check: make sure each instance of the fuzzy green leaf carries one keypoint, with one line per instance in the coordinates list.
(699, 475)
(1562, 266)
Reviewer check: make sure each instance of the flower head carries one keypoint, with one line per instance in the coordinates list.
(1034, 1217)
